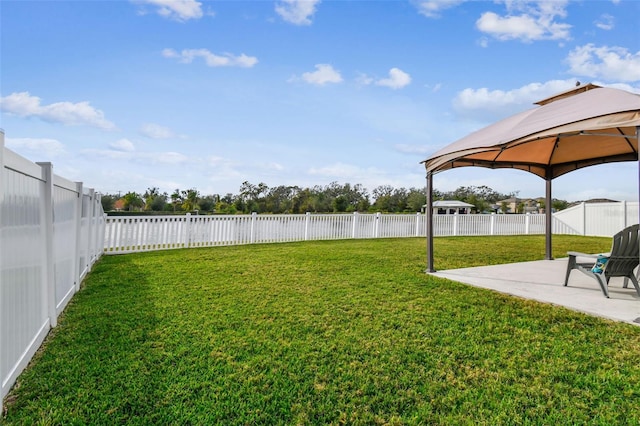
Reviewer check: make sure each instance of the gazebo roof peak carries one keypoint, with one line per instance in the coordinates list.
(574, 91)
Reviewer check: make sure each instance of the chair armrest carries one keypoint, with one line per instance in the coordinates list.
(578, 254)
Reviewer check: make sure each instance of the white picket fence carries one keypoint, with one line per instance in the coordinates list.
(127, 234)
(51, 233)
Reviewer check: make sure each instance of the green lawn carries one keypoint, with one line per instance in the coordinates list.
(332, 332)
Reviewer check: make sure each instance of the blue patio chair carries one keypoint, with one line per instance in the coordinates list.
(620, 262)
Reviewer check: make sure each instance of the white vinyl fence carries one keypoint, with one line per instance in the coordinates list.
(51, 233)
(126, 234)
(597, 219)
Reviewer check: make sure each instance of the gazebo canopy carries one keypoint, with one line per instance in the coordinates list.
(589, 125)
(581, 127)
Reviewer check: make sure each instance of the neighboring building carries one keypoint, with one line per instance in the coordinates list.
(451, 207)
(592, 201)
(512, 205)
(118, 205)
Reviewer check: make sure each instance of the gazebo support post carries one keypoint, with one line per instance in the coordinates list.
(638, 152)
(548, 220)
(428, 213)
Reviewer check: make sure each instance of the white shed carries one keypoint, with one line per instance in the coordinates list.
(451, 207)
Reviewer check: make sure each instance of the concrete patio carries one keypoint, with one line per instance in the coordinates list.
(543, 281)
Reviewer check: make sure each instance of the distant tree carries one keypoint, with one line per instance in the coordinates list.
(480, 204)
(416, 199)
(559, 204)
(223, 207)
(208, 203)
(154, 200)
(389, 199)
(251, 197)
(176, 199)
(190, 199)
(132, 201)
(340, 204)
(280, 199)
(108, 202)
(159, 202)
(382, 196)
(303, 201)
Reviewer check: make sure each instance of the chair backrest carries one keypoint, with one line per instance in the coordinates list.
(625, 253)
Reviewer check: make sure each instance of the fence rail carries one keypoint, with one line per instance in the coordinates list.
(51, 233)
(126, 234)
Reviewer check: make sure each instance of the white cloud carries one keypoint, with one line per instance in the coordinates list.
(124, 145)
(432, 8)
(485, 104)
(324, 74)
(177, 10)
(397, 79)
(336, 170)
(121, 151)
(297, 12)
(343, 171)
(413, 149)
(156, 131)
(23, 104)
(168, 157)
(187, 56)
(605, 22)
(46, 147)
(273, 166)
(222, 168)
(364, 79)
(527, 21)
(610, 63)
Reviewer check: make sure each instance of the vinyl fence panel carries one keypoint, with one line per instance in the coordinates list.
(51, 232)
(126, 234)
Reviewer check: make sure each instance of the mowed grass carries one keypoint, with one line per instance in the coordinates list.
(332, 332)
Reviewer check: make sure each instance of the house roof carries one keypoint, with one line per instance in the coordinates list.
(451, 203)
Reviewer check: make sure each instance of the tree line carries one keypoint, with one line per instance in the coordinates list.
(331, 198)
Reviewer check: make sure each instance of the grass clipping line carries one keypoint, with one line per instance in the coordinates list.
(334, 332)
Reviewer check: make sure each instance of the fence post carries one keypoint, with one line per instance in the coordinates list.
(492, 224)
(1, 284)
(455, 224)
(187, 230)
(418, 224)
(89, 259)
(376, 228)
(46, 221)
(253, 226)
(624, 214)
(307, 219)
(78, 221)
(584, 218)
(353, 225)
(527, 221)
(97, 207)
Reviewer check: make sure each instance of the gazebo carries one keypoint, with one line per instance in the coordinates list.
(581, 127)
(450, 207)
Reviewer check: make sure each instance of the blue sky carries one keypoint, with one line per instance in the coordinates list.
(129, 95)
